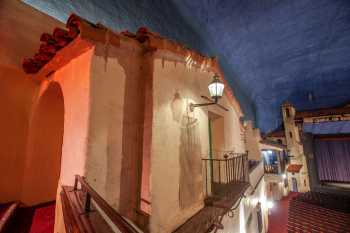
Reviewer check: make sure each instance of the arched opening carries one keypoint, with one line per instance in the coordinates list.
(43, 162)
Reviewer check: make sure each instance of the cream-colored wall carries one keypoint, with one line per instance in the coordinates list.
(252, 141)
(218, 136)
(293, 143)
(93, 87)
(171, 79)
(295, 148)
(74, 80)
(238, 224)
(104, 155)
(116, 124)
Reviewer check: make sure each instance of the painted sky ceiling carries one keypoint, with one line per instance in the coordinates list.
(270, 50)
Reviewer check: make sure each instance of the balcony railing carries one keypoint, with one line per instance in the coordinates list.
(223, 176)
(226, 179)
(271, 168)
(80, 211)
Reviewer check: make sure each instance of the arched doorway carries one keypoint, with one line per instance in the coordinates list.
(43, 162)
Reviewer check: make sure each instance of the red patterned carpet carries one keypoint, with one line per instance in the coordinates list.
(278, 217)
(35, 219)
(43, 220)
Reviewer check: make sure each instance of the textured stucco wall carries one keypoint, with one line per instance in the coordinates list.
(163, 17)
(21, 29)
(116, 124)
(270, 51)
(74, 80)
(103, 165)
(44, 147)
(175, 86)
(248, 206)
(252, 141)
(296, 149)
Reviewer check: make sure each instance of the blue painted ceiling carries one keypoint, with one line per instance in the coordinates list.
(270, 50)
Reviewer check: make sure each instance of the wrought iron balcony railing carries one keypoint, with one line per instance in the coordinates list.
(224, 175)
(271, 168)
(226, 179)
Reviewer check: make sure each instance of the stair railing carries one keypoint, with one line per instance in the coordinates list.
(71, 212)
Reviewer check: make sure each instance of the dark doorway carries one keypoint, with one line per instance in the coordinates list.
(294, 184)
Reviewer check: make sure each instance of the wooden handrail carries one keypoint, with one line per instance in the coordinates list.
(6, 218)
(123, 225)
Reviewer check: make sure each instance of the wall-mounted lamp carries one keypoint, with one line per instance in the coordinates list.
(216, 90)
(269, 204)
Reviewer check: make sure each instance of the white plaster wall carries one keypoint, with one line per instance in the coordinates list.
(93, 86)
(296, 149)
(74, 80)
(170, 78)
(75, 85)
(239, 223)
(252, 141)
(104, 153)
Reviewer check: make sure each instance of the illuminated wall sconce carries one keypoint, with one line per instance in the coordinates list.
(216, 90)
(269, 204)
(284, 176)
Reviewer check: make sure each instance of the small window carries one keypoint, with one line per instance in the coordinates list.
(290, 135)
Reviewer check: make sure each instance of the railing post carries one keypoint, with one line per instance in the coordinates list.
(211, 165)
(226, 169)
(76, 183)
(234, 168)
(206, 177)
(247, 167)
(219, 171)
(87, 202)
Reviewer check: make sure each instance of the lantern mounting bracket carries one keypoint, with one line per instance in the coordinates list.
(211, 102)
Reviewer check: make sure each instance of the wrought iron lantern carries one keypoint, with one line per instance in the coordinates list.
(216, 88)
(216, 91)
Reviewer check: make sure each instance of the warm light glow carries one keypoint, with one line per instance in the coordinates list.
(242, 219)
(254, 201)
(216, 88)
(284, 176)
(269, 204)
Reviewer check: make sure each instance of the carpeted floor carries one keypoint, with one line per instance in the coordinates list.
(35, 219)
(278, 217)
(43, 220)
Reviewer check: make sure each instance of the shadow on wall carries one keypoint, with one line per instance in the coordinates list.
(191, 187)
(190, 190)
(43, 162)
